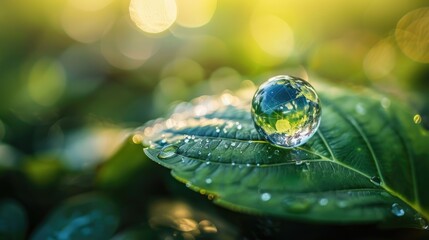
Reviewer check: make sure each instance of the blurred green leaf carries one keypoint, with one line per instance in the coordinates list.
(13, 220)
(80, 217)
(120, 167)
(367, 163)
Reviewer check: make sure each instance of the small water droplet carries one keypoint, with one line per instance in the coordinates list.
(342, 204)
(376, 180)
(397, 210)
(168, 152)
(298, 162)
(199, 152)
(233, 163)
(417, 119)
(233, 144)
(239, 127)
(208, 163)
(323, 201)
(269, 156)
(385, 102)
(360, 109)
(209, 154)
(421, 221)
(265, 196)
(258, 164)
(186, 140)
(298, 204)
(248, 165)
(208, 180)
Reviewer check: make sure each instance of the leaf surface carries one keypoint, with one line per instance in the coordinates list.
(368, 161)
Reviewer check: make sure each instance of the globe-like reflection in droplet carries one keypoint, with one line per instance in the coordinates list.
(286, 111)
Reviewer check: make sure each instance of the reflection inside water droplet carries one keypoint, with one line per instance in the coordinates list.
(168, 152)
(397, 210)
(286, 111)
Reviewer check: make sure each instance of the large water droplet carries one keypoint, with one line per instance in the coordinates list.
(397, 210)
(286, 111)
(168, 152)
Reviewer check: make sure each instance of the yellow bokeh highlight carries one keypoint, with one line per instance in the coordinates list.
(84, 26)
(380, 60)
(273, 35)
(46, 82)
(193, 13)
(90, 5)
(153, 16)
(412, 34)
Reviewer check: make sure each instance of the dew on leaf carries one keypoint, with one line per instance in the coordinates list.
(360, 109)
(342, 204)
(168, 152)
(298, 204)
(385, 102)
(397, 210)
(376, 180)
(323, 201)
(265, 196)
(296, 125)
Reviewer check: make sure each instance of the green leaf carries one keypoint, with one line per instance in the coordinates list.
(81, 217)
(13, 220)
(368, 161)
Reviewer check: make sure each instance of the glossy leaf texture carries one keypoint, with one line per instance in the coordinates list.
(368, 161)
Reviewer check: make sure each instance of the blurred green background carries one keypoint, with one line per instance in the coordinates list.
(77, 75)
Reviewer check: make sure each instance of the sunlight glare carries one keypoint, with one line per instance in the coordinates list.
(153, 16)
